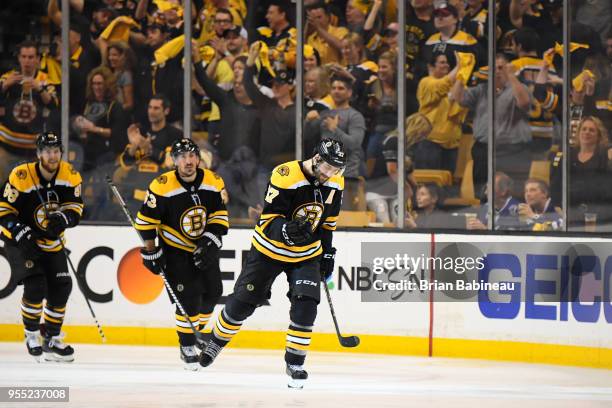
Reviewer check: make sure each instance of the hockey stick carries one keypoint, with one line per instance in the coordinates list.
(345, 341)
(198, 335)
(65, 251)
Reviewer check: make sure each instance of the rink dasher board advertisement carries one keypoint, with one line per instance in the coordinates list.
(124, 294)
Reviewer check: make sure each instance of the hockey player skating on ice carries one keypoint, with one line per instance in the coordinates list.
(293, 235)
(185, 211)
(34, 235)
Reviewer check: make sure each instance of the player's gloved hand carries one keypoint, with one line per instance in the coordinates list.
(154, 260)
(25, 239)
(57, 223)
(327, 264)
(297, 232)
(207, 252)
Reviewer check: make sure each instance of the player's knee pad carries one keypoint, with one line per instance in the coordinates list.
(34, 288)
(59, 291)
(237, 309)
(303, 310)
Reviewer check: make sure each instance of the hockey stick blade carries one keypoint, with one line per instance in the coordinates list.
(349, 341)
(345, 341)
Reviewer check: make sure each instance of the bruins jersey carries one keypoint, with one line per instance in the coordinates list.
(23, 119)
(292, 194)
(21, 203)
(180, 212)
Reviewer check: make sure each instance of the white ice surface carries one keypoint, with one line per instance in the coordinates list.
(148, 377)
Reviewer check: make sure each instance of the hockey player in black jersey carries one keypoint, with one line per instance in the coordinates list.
(293, 235)
(184, 209)
(34, 237)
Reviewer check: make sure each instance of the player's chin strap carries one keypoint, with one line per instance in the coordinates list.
(65, 251)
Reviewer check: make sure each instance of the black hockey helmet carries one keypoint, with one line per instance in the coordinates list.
(332, 152)
(184, 146)
(48, 139)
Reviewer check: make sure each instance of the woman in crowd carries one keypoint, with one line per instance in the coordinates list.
(120, 60)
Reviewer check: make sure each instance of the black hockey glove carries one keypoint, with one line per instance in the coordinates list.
(153, 260)
(207, 252)
(297, 232)
(327, 264)
(25, 240)
(57, 223)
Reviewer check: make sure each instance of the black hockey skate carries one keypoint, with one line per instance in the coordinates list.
(54, 349)
(189, 355)
(32, 341)
(209, 354)
(298, 376)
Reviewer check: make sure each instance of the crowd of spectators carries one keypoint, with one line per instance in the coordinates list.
(126, 100)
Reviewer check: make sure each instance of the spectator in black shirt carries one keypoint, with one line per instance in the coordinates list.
(277, 115)
(239, 124)
(152, 141)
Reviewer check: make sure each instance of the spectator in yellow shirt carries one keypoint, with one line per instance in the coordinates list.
(324, 37)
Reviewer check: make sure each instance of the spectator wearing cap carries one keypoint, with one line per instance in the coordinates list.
(231, 45)
(439, 151)
(449, 38)
(323, 36)
(278, 27)
(512, 131)
(347, 125)
(276, 143)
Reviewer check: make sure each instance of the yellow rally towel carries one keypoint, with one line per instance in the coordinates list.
(119, 29)
(169, 50)
(466, 62)
(164, 5)
(265, 59)
(578, 82)
(559, 51)
(175, 46)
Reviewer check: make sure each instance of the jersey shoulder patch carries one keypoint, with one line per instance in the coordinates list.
(288, 175)
(212, 180)
(21, 177)
(67, 175)
(165, 184)
(336, 182)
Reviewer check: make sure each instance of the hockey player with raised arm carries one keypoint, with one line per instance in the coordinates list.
(293, 235)
(33, 231)
(185, 211)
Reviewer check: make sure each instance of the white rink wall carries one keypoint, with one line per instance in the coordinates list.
(450, 320)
